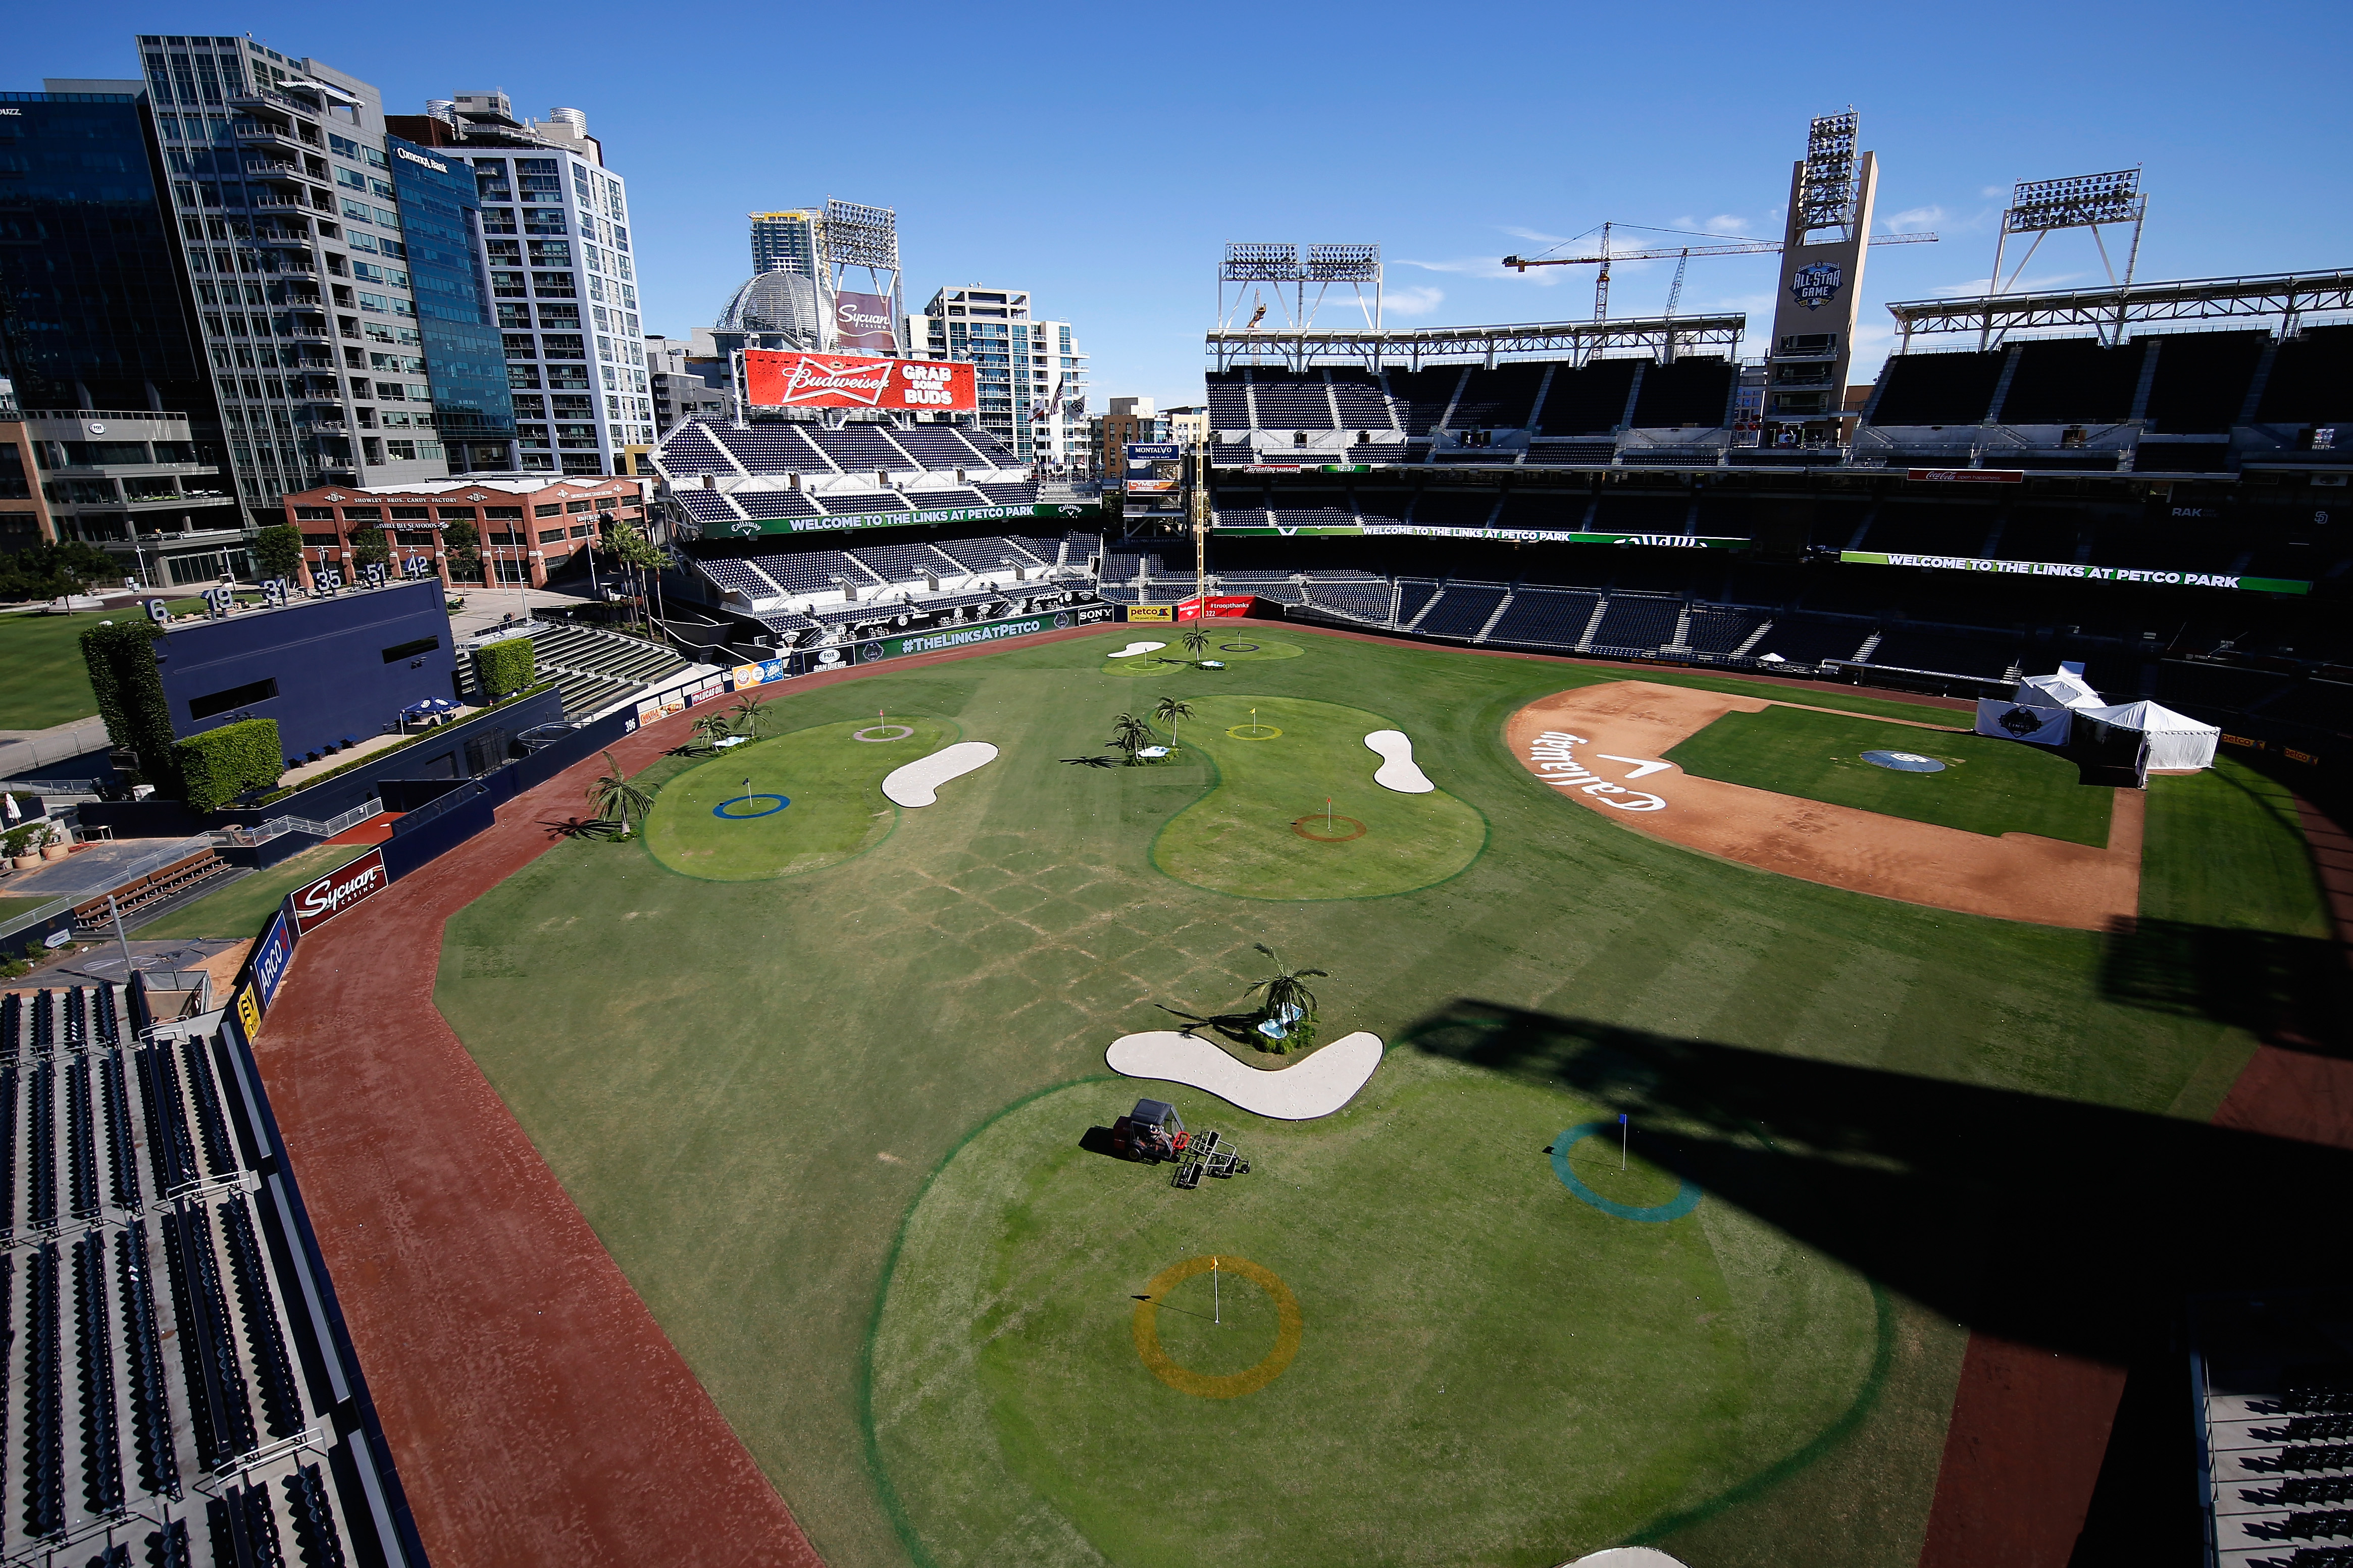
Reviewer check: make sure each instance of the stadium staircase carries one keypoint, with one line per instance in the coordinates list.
(595, 669)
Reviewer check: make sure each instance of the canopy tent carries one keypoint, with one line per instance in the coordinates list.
(2174, 740)
(2064, 690)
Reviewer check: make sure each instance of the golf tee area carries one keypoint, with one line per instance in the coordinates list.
(803, 1092)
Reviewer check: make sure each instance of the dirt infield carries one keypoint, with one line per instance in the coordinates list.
(2017, 876)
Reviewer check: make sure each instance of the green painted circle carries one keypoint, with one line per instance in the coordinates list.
(1463, 1314)
(1176, 660)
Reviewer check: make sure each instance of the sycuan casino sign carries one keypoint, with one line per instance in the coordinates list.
(2084, 573)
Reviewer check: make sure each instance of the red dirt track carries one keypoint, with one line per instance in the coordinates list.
(536, 1412)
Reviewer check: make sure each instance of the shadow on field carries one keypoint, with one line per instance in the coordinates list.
(2289, 991)
(2074, 1226)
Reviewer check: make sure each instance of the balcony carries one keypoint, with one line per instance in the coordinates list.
(252, 133)
(180, 501)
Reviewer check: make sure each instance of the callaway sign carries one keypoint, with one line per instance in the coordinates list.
(336, 891)
(774, 379)
(1553, 755)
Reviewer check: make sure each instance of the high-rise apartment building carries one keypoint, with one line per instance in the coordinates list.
(291, 227)
(1030, 375)
(553, 240)
(788, 242)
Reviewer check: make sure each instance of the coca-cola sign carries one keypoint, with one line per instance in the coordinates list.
(336, 891)
(778, 379)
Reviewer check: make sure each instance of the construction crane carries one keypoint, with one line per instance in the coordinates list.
(1682, 254)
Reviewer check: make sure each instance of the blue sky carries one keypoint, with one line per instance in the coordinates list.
(1100, 155)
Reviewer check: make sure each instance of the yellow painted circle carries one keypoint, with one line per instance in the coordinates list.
(1263, 732)
(1289, 1326)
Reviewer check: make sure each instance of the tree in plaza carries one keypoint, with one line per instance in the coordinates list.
(46, 571)
(278, 550)
(462, 548)
(1169, 709)
(370, 547)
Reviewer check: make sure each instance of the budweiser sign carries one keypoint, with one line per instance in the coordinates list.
(336, 891)
(775, 379)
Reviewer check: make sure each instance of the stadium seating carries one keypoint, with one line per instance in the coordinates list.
(2202, 379)
(993, 554)
(816, 571)
(1722, 630)
(939, 446)
(1290, 402)
(1362, 403)
(1461, 610)
(862, 449)
(1454, 509)
(905, 562)
(2311, 379)
(146, 1167)
(1587, 399)
(1546, 618)
(1422, 396)
(738, 577)
(1938, 388)
(1010, 492)
(1229, 407)
(594, 669)
(770, 448)
(1947, 652)
(774, 503)
(688, 450)
(1500, 399)
(1808, 639)
(2061, 381)
(707, 507)
(1634, 623)
(854, 503)
(1695, 391)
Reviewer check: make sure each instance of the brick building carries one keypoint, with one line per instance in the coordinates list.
(527, 525)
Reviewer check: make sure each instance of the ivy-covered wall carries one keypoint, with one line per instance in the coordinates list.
(122, 659)
(218, 765)
(503, 669)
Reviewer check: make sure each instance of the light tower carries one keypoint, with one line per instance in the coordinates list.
(2079, 201)
(1814, 314)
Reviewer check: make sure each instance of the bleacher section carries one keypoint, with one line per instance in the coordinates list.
(938, 446)
(850, 503)
(1012, 492)
(1362, 403)
(594, 669)
(183, 1395)
(2311, 380)
(688, 450)
(1461, 610)
(774, 503)
(1422, 396)
(1947, 652)
(993, 554)
(774, 448)
(1546, 618)
(861, 449)
(906, 562)
(816, 571)
(2061, 381)
(708, 507)
(1500, 399)
(1636, 624)
(1811, 639)
(1697, 390)
(1586, 400)
(1938, 388)
(1291, 402)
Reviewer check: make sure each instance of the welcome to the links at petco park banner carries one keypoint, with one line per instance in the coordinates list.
(1508, 535)
(1057, 512)
(2085, 574)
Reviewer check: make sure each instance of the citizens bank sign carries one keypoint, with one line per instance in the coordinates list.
(338, 890)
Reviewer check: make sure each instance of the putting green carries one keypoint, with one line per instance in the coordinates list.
(1231, 649)
(1470, 1317)
(833, 780)
(1239, 838)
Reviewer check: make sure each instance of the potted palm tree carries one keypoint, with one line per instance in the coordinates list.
(616, 798)
(1287, 1007)
(55, 846)
(18, 846)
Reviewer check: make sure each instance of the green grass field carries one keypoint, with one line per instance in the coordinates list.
(1233, 650)
(1987, 786)
(240, 910)
(834, 1142)
(48, 683)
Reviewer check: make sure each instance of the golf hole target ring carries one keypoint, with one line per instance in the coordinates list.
(1237, 647)
(1686, 1196)
(1341, 829)
(1253, 732)
(879, 734)
(779, 803)
(1146, 1328)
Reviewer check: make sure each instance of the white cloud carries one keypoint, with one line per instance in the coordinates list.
(1913, 219)
(2018, 286)
(1414, 301)
(1482, 267)
(1992, 191)
(1518, 233)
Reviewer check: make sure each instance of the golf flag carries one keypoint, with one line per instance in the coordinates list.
(1621, 1119)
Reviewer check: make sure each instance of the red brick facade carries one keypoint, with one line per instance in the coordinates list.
(526, 527)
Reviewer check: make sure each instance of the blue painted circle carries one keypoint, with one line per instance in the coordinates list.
(720, 809)
(1686, 1196)
(1904, 761)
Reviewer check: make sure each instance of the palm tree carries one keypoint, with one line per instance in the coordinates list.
(1129, 734)
(713, 727)
(1196, 642)
(1288, 1000)
(1168, 710)
(747, 712)
(615, 797)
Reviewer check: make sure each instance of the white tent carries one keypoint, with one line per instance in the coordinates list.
(2174, 740)
(2064, 690)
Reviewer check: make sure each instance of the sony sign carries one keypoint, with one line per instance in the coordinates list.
(336, 891)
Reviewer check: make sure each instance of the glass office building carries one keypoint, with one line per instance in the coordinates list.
(441, 216)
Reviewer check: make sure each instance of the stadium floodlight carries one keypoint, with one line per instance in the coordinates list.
(858, 236)
(2043, 207)
(2079, 201)
(1255, 261)
(1827, 192)
(1344, 263)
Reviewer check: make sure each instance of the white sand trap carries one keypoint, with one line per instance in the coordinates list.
(1301, 1092)
(1132, 650)
(1625, 1557)
(1397, 771)
(918, 784)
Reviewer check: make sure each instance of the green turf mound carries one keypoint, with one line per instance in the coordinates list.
(833, 780)
(1987, 786)
(1240, 839)
(1231, 649)
(1471, 1318)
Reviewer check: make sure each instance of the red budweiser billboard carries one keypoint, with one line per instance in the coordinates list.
(336, 891)
(775, 379)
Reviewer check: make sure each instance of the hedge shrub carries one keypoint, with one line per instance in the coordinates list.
(218, 765)
(502, 668)
(122, 659)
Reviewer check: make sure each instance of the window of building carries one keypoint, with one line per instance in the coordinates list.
(410, 515)
(231, 699)
(363, 514)
(399, 651)
(503, 513)
(553, 536)
(580, 506)
(553, 510)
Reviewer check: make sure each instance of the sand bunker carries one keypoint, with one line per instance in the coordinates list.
(1397, 771)
(918, 784)
(1132, 650)
(1301, 1092)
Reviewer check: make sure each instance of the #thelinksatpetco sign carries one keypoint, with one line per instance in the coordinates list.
(336, 891)
(776, 379)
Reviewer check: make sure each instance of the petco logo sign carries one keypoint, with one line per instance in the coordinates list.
(781, 380)
(336, 891)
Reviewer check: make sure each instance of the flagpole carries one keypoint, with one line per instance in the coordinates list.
(1217, 1298)
(1624, 1132)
